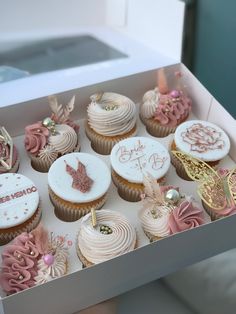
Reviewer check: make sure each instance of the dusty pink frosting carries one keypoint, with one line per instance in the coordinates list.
(36, 137)
(7, 154)
(185, 216)
(173, 108)
(13, 267)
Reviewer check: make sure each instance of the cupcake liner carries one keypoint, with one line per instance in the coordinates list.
(103, 144)
(44, 165)
(129, 191)
(6, 235)
(83, 260)
(156, 129)
(68, 211)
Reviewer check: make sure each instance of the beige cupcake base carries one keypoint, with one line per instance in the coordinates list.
(130, 191)
(104, 144)
(68, 211)
(156, 129)
(42, 165)
(6, 235)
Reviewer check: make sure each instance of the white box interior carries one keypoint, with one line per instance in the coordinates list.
(82, 287)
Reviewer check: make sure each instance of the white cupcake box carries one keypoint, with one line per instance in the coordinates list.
(84, 287)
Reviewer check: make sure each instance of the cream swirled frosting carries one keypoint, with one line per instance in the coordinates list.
(111, 114)
(97, 245)
(150, 103)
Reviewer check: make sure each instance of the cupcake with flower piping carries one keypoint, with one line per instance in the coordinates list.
(53, 137)
(162, 109)
(111, 118)
(32, 259)
(110, 236)
(9, 156)
(165, 211)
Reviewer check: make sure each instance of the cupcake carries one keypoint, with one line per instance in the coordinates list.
(78, 182)
(165, 211)
(47, 140)
(32, 259)
(19, 206)
(112, 236)
(9, 157)
(111, 118)
(162, 109)
(202, 140)
(133, 158)
(216, 188)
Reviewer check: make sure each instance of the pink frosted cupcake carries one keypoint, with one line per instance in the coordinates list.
(9, 157)
(47, 140)
(165, 211)
(32, 259)
(162, 109)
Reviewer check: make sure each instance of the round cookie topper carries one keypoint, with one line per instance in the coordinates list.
(202, 139)
(134, 157)
(19, 199)
(79, 177)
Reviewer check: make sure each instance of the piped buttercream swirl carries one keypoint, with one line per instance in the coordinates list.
(150, 103)
(97, 247)
(111, 114)
(65, 139)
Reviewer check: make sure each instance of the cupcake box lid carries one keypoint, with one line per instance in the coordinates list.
(134, 157)
(19, 199)
(202, 139)
(60, 181)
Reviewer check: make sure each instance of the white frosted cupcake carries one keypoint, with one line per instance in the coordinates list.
(112, 236)
(199, 139)
(47, 140)
(133, 158)
(111, 118)
(165, 211)
(78, 182)
(19, 206)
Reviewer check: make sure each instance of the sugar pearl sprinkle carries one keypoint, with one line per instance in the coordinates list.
(105, 229)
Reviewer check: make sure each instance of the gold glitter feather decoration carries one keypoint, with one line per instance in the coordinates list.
(216, 191)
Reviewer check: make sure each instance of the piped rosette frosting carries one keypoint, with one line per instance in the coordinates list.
(97, 245)
(31, 259)
(111, 114)
(54, 136)
(168, 107)
(165, 211)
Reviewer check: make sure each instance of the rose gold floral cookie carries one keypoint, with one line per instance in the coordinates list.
(202, 140)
